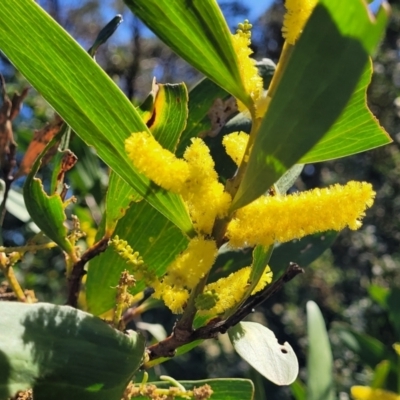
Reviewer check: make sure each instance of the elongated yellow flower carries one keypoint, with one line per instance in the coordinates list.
(367, 393)
(193, 177)
(204, 195)
(297, 14)
(248, 71)
(185, 272)
(235, 145)
(272, 219)
(157, 163)
(230, 290)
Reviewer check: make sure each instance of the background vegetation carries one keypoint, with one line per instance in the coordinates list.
(339, 282)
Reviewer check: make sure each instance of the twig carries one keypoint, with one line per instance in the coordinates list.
(179, 337)
(78, 271)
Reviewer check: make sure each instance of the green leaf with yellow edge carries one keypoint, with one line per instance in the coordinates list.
(170, 114)
(165, 111)
(355, 131)
(258, 345)
(198, 32)
(223, 389)
(80, 91)
(47, 211)
(63, 353)
(147, 231)
(319, 358)
(322, 73)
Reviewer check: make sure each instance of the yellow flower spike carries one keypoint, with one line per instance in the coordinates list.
(235, 145)
(248, 71)
(367, 393)
(297, 14)
(185, 272)
(157, 163)
(396, 348)
(203, 194)
(272, 219)
(230, 290)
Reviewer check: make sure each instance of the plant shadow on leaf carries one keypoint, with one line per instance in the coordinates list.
(77, 354)
(5, 373)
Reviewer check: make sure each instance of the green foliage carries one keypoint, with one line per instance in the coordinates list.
(64, 353)
(319, 359)
(317, 111)
(294, 124)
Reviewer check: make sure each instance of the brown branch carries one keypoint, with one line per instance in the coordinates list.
(78, 271)
(180, 337)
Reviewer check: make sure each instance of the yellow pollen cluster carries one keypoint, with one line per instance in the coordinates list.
(132, 258)
(297, 14)
(248, 71)
(204, 195)
(157, 163)
(272, 219)
(193, 177)
(230, 290)
(185, 272)
(367, 393)
(235, 145)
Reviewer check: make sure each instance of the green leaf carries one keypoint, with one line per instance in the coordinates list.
(324, 68)
(380, 374)
(166, 119)
(258, 345)
(302, 252)
(223, 389)
(379, 294)
(198, 32)
(299, 390)
(64, 353)
(170, 114)
(229, 261)
(393, 301)
(147, 231)
(261, 257)
(119, 196)
(201, 99)
(47, 211)
(319, 359)
(355, 131)
(86, 98)
(370, 350)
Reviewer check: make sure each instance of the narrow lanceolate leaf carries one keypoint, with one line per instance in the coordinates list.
(47, 211)
(302, 252)
(319, 360)
(169, 115)
(222, 389)
(260, 348)
(261, 257)
(85, 97)
(63, 353)
(355, 131)
(119, 196)
(147, 231)
(165, 112)
(198, 32)
(322, 73)
(206, 112)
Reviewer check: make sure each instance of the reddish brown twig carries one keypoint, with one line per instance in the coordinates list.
(78, 270)
(180, 337)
